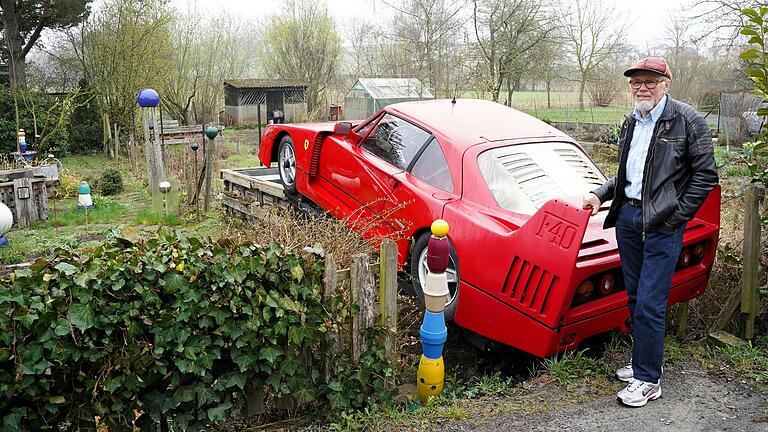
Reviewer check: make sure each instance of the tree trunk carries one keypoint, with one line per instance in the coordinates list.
(582, 84)
(17, 66)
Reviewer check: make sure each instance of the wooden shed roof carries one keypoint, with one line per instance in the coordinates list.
(264, 83)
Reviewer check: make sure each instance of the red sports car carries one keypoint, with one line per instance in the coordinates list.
(529, 268)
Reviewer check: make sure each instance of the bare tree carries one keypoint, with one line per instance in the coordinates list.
(721, 18)
(508, 32)
(203, 57)
(593, 36)
(426, 30)
(302, 44)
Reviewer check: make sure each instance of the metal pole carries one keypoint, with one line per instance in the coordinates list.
(197, 194)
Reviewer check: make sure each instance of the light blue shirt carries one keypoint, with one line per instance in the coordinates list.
(638, 149)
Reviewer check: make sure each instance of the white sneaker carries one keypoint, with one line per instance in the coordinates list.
(627, 374)
(638, 393)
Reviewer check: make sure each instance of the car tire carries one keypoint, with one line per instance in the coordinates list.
(286, 164)
(418, 268)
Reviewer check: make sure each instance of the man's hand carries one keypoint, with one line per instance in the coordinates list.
(591, 200)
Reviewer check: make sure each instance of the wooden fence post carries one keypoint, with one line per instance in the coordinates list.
(361, 280)
(334, 342)
(23, 196)
(750, 304)
(388, 296)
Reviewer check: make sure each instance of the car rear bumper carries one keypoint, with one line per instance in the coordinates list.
(494, 319)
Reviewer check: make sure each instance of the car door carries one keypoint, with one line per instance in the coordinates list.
(366, 174)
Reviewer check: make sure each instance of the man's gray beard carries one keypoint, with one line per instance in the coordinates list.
(644, 105)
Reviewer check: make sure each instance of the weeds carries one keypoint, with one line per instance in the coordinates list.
(572, 366)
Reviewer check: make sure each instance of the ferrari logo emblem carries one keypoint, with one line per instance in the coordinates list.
(306, 144)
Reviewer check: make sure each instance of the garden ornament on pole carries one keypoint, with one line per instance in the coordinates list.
(431, 373)
(165, 187)
(6, 222)
(84, 199)
(196, 195)
(211, 132)
(149, 100)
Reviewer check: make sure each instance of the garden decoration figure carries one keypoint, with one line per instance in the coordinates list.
(431, 373)
(149, 100)
(666, 170)
(165, 187)
(84, 200)
(6, 222)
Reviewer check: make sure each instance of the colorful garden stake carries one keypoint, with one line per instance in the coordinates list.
(84, 200)
(431, 374)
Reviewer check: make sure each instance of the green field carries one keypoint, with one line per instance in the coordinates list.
(564, 106)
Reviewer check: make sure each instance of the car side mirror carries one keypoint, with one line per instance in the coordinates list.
(342, 128)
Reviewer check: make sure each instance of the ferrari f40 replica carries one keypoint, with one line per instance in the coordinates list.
(528, 267)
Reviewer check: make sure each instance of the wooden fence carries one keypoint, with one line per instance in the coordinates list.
(26, 195)
(748, 293)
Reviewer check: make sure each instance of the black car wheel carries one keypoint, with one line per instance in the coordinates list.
(419, 275)
(286, 162)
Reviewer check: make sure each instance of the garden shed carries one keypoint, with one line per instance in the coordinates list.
(264, 100)
(369, 95)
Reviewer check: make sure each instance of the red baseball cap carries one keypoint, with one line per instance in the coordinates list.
(650, 64)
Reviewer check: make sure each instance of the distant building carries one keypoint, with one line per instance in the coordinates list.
(264, 101)
(369, 95)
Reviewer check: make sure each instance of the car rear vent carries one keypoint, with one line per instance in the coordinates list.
(533, 181)
(529, 285)
(577, 162)
(314, 162)
(593, 243)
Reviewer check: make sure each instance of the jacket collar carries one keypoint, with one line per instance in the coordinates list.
(669, 109)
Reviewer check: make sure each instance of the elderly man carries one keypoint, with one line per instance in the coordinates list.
(666, 170)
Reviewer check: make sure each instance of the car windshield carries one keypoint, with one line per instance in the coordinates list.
(523, 177)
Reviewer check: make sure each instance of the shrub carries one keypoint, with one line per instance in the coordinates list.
(43, 105)
(85, 123)
(111, 182)
(172, 326)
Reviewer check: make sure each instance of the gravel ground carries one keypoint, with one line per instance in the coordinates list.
(692, 400)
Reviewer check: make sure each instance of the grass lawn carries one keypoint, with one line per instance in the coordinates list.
(597, 115)
(66, 226)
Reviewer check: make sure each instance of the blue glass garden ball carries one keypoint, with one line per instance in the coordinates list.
(148, 98)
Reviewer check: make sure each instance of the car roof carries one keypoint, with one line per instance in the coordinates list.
(470, 121)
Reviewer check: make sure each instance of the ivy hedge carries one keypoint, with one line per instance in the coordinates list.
(170, 328)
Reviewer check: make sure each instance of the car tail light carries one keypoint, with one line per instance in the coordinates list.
(607, 282)
(685, 259)
(584, 291)
(599, 285)
(698, 251)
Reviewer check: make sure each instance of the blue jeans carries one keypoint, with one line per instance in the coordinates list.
(648, 267)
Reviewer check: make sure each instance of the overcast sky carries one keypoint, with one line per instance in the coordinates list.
(645, 18)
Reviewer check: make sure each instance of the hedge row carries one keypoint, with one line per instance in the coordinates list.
(174, 327)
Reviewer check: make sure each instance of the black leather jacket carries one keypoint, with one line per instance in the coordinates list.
(679, 170)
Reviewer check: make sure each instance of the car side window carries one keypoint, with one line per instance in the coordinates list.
(363, 130)
(395, 140)
(432, 167)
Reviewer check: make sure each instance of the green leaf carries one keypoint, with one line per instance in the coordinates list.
(81, 316)
(297, 273)
(62, 327)
(66, 268)
(57, 400)
(27, 319)
(335, 386)
(219, 412)
(174, 282)
(270, 354)
(748, 54)
(113, 384)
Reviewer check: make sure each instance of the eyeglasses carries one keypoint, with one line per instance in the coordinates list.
(650, 84)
